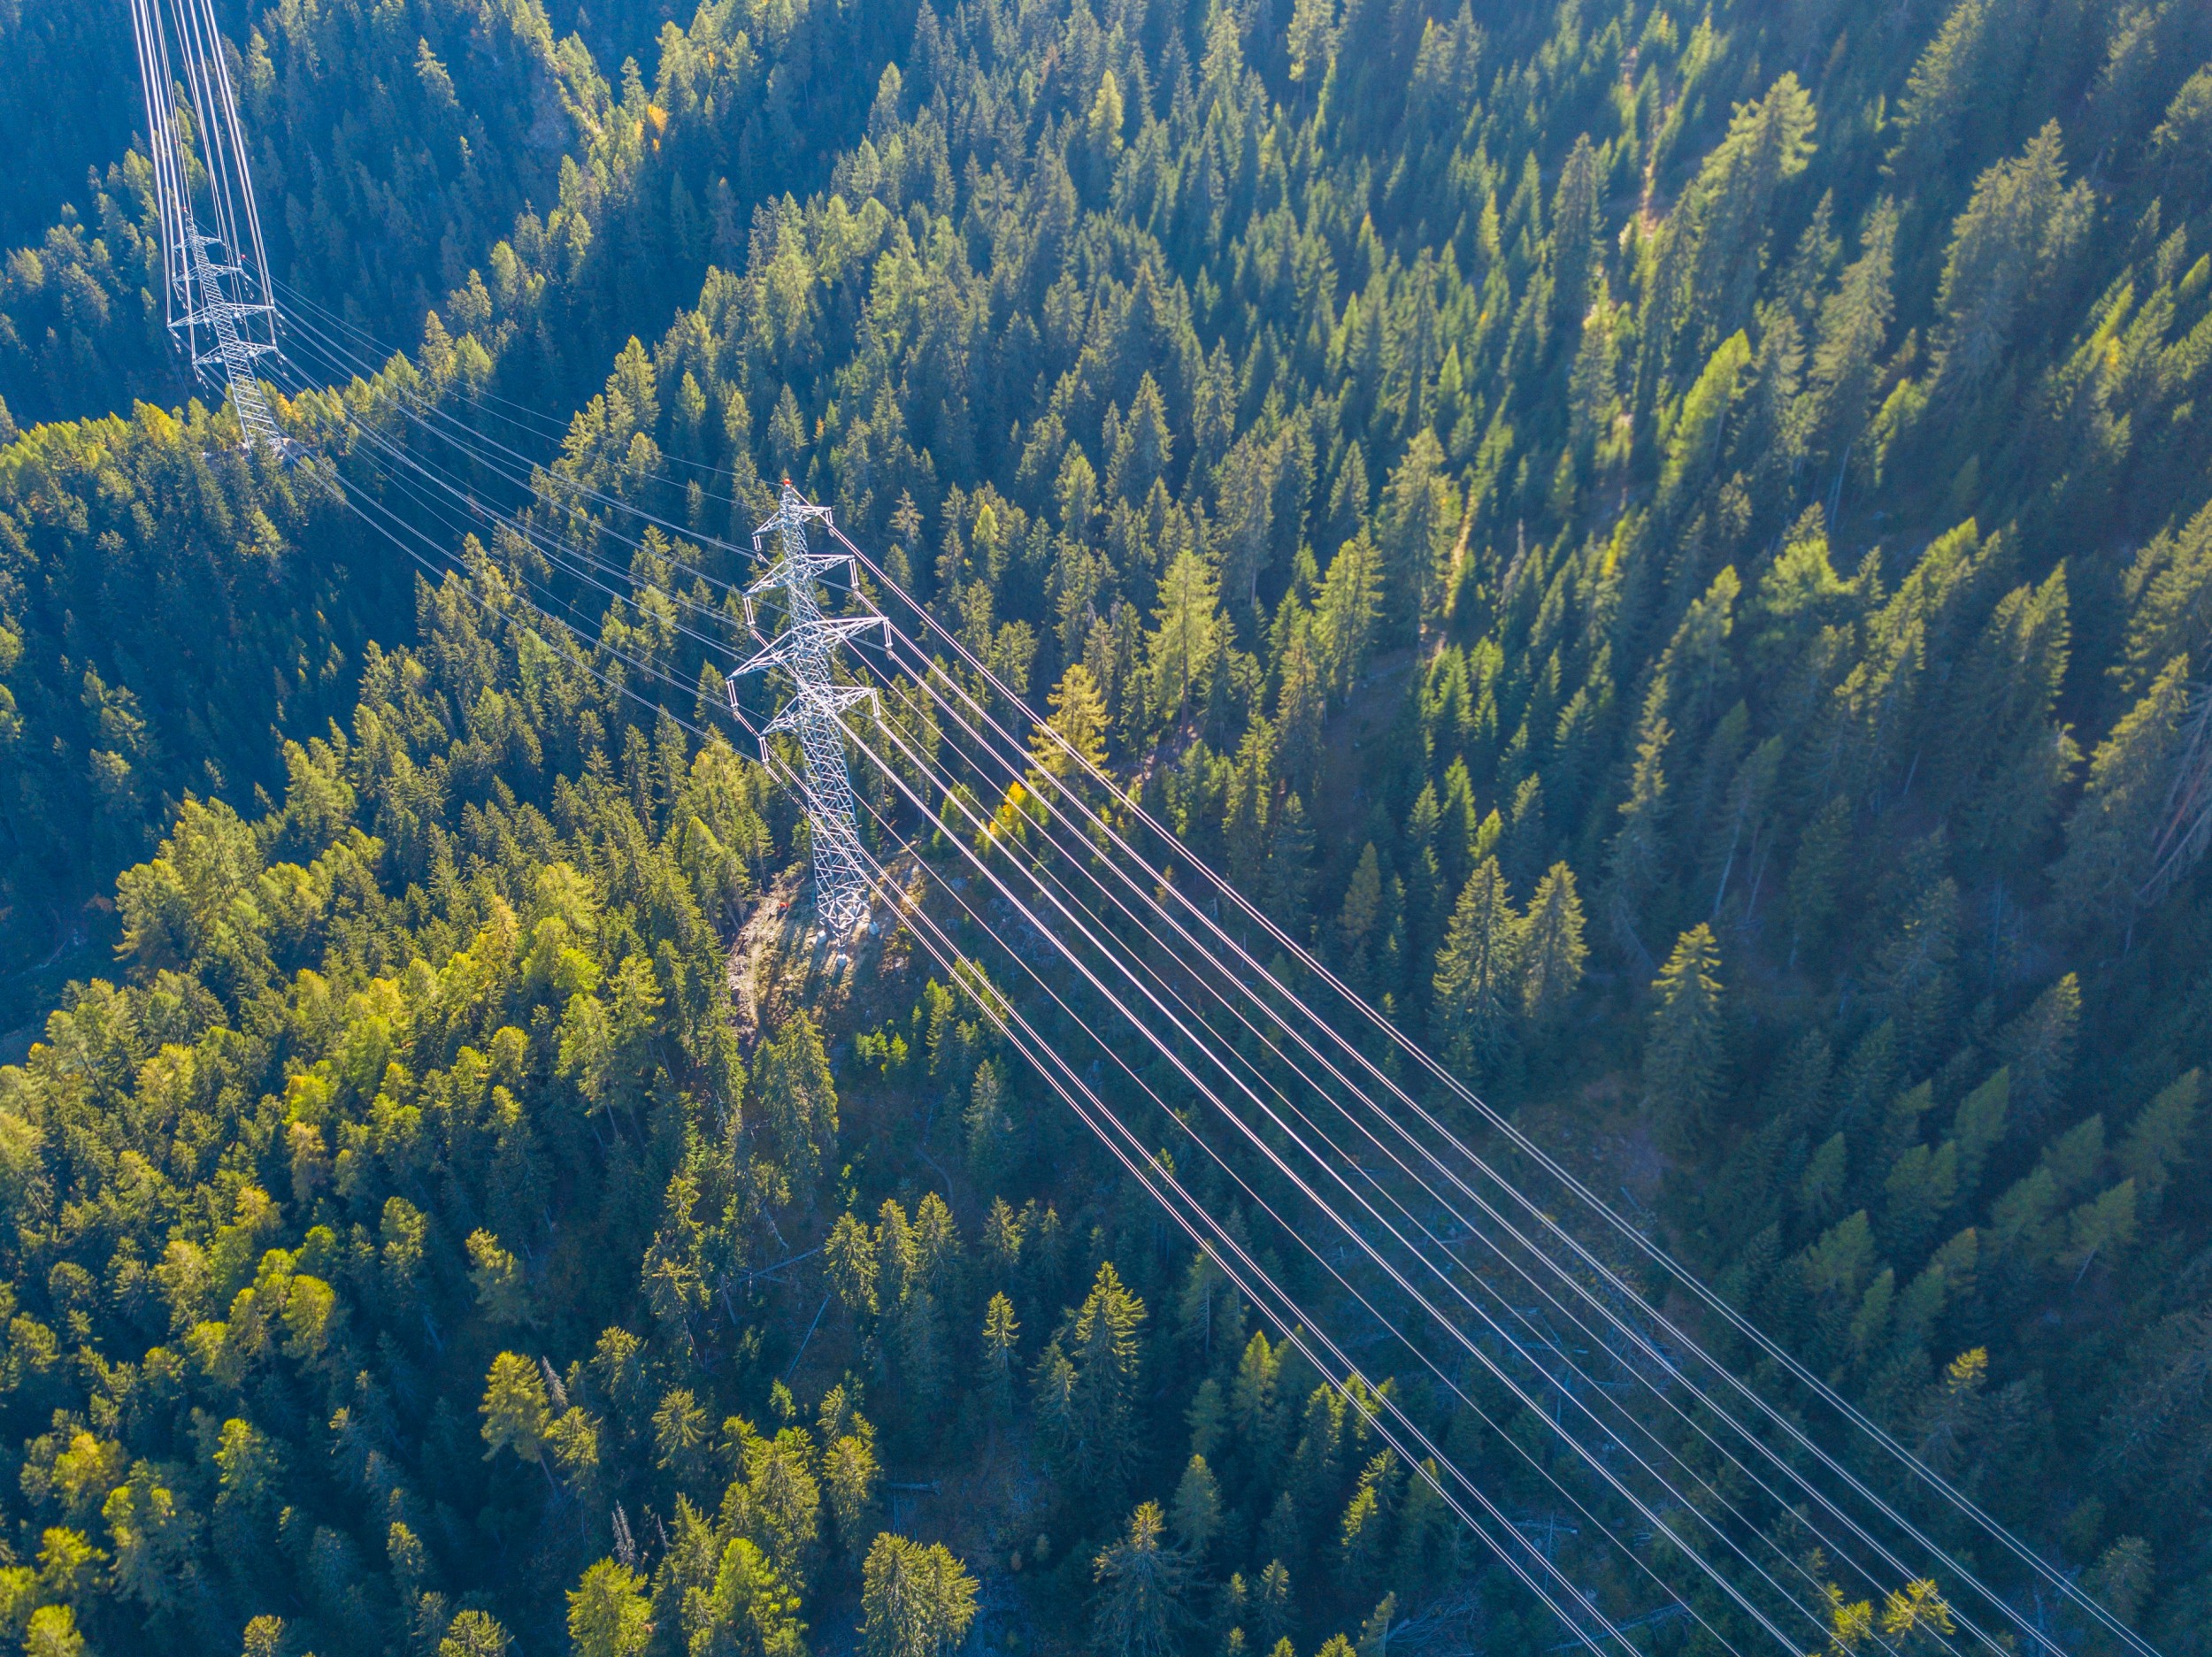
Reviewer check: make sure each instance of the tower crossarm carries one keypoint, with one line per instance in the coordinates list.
(803, 569)
(824, 632)
(792, 508)
(792, 716)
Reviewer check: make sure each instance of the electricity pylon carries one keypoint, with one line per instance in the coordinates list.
(806, 649)
(215, 270)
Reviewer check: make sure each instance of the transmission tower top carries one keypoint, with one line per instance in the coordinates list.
(807, 649)
(215, 270)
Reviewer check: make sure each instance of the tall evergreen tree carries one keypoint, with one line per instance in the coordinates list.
(915, 1600)
(1481, 973)
(1554, 949)
(1682, 1054)
(1140, 1590)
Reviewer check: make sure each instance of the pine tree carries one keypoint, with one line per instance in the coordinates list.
(1462, 840)
(1140, 1590)
(1300, 705)
(1316, 1466)
(472, 1634)
(1273, 1609)
(1554, 950)
(608, 1613)
(2170, 587)
(850, 1258)
(787, 432)
(1194, 1515)
(1575, 207)
(1003, 1231)
(1180, 650)
(2038, 1048)
(1594, 383)
(1144, 449)
(748, 1608)
(1416, 527)
(1360, 1540)
(1087, 1384)
(1694, 446)
(1355, 921)
(2011, 253)
(516, 1410)
(1206, 1417)
(680, 1430)
(1633, 861)
(1854, 323)
(1286, 888)
(989, 1126)
(1348, 612)
(1682, 1055)
(1078, 721)
(1526, 838)
(850, 1472)
(1284, 1530)
(1001, 1334)
(1479, 976)
(2112, 836)
(1312, 39)
(794, 1087)
(915, 1601)
(1253, 1408)
(1374, 1633)
(1815, 874)
(1912, 973)
(2158, 1140)
(497, 1275)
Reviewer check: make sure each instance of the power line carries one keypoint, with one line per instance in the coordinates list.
(1778, 1419)
(616, 502)
(1294, 1322)
(215, 269)
(225, 290)
(623, 505)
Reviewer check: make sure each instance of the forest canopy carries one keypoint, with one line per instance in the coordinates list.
(1670, 548)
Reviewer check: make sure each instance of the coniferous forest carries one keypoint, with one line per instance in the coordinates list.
(1670, 544)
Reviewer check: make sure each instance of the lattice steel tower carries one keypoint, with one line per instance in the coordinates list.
(215, 270)
(806, 649)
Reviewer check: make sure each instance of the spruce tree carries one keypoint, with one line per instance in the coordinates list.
(792, 1084)
(2113, 836)
(915, 1600)
(1141, 1581)
(1682, 1054)
(1001, 1333)
(1554, 949)
(1479, 980)
(1194, 1515)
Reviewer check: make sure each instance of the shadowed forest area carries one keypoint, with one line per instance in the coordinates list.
(1671, 545)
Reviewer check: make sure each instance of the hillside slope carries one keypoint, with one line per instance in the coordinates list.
(1674, 549)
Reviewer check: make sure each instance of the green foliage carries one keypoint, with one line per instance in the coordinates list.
(792, 1082)
(1475, 481)
(1087, 1382)
(609, 1614)
(515, 1408)
(475, 1634)
(1682, 1055)
(1140, 1587)
(1479, 973)
(915, 1601)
